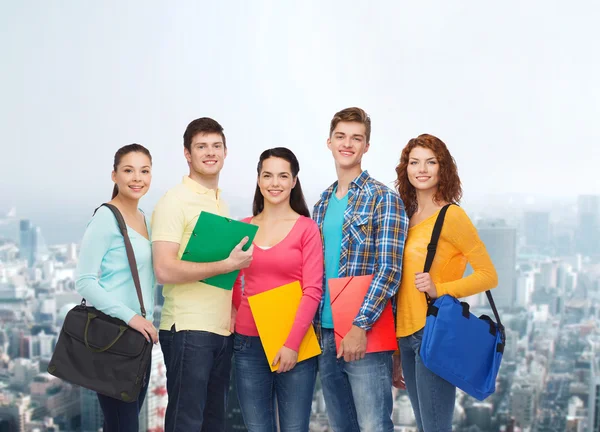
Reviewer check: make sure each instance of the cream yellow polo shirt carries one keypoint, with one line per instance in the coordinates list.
(196, 305)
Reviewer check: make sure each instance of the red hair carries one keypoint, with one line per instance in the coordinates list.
(449, 186)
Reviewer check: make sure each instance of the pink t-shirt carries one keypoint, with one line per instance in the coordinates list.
(298, 257)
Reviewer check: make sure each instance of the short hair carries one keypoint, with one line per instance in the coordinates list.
(354, 114)
(203, 125)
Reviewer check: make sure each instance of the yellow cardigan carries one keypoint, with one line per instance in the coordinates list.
(459, 243)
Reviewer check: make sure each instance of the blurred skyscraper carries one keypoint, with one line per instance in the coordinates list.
(31, 242)
(501, 243)
(537, 229)
(588, 225)
(91, 413)
(26, 242)
(594, 398)
(523, 403)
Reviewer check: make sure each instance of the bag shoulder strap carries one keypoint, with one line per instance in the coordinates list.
(432, 246)
(435, 237)
(431, 249)
(130, 254)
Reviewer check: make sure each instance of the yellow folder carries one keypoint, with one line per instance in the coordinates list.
(274, 312)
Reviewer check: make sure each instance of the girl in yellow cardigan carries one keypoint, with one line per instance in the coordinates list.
(428, 180)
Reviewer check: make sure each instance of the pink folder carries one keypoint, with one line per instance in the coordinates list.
(347, 296)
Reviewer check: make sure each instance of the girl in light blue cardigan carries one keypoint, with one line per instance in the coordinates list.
(103, 275)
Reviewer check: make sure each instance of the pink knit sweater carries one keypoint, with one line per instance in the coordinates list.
(298, 257)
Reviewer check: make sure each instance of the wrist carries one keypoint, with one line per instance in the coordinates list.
(291, 348)
(227, 266)
(359, 329)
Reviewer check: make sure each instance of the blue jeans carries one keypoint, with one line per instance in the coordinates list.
(198, 366)
(358, 394)
(258, 388)
(122, 416)
(431, 397)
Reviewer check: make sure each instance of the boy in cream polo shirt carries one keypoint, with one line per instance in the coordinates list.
(195, 325)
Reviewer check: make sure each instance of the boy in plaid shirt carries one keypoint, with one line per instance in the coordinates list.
(364, 226)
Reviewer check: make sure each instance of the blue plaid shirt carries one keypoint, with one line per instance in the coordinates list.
(373, 234)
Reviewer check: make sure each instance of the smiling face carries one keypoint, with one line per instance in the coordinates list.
(423, 169)
(206, 155)
(348, 143)
(275, 180)
(133, 175)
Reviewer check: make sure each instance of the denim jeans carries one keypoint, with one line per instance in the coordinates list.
(122, 416)
(258, 389)
(432, 398)
(198, 367)
(358, 394)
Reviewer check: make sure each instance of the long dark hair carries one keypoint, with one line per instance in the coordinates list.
(124, 151)
(297, 201)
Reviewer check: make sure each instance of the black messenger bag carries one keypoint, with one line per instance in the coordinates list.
(102, 353)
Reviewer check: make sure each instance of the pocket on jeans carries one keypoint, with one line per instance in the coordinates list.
(239, 342)
(417, 339)
(165, 337)
(419, 334)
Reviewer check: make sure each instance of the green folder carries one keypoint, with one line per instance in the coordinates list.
(213, 239)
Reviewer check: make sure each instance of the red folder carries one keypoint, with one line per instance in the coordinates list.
(347, 296)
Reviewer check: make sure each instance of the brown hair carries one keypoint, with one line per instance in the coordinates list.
(449, 186)
(124, 151)
(353, 114)
(203, 125)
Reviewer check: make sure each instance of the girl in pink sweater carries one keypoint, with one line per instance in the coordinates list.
(288, 248)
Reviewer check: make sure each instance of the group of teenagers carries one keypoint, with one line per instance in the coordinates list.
(358, 227)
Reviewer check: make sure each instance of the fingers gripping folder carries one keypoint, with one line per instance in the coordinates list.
(347, 296)
(274, 312)
(213, 239)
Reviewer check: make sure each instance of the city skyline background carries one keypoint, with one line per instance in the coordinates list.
(510, 89)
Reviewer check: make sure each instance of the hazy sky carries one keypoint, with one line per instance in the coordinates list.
(511, 87)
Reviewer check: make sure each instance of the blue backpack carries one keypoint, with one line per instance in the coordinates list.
(463, 349)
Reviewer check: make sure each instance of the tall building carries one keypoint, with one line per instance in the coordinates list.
(92, 418)
(511, 349)
(31, 242)
(525, 288)
(537, 229)
(27, 242)
(548, 277)
(23, 373)
(594, 395)
(17, 412)
(523, 404)
(479, 414)
(72, 252)
(41, 249)
(501, 243)
(588, 225)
